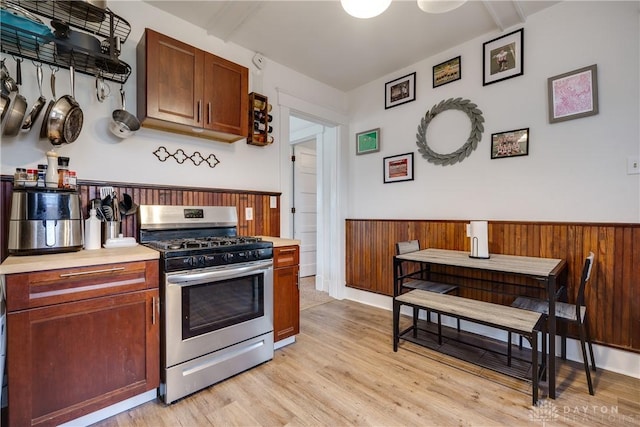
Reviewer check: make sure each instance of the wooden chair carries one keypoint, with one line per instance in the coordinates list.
(421, 281)
(570, 313)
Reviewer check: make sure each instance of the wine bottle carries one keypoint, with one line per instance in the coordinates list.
(260, 127)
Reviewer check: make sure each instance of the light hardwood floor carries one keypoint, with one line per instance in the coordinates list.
(342, 371)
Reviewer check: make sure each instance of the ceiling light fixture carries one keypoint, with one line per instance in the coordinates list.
(439, 6)
(365, 8)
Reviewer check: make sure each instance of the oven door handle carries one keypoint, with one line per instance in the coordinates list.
(188, 278)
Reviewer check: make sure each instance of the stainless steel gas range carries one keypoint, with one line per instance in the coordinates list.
(216, 295)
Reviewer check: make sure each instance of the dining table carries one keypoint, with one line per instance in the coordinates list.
(546, 271)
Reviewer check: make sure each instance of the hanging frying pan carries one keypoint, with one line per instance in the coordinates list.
(38, 105)
(16, 110)
(65, 118)
(47, 112)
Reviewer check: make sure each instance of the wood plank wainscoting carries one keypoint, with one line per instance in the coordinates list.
(266, 220)
(613, 295)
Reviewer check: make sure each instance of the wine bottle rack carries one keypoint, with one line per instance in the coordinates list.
(260, 127)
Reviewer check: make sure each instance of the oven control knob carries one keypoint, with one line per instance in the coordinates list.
(227, 257)
(200, 261)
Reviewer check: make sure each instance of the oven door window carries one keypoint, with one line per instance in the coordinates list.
(211, 306)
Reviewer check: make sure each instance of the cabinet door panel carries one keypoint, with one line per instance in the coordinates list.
(67, 360)
(174, 80)
(286, 298)
(225, 93)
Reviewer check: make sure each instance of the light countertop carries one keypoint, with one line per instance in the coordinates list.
(279, 241)
(30, 263)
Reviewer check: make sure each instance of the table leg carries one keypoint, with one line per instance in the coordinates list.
(396, 324)
(551, 291)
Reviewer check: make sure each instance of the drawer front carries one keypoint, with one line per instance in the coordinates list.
(286, 256)
(38, 289)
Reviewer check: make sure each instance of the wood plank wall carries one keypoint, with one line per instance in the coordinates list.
(266, 220)
(613, 294)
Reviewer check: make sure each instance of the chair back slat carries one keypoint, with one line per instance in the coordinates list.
(586, 274)
(406, 247)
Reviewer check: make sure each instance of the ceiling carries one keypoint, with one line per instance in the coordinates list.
(319, 39)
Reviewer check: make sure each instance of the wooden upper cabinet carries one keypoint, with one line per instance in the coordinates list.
(185, 90)
(225, 111)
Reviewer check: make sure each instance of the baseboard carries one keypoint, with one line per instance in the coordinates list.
(112, 410)
(284, 342)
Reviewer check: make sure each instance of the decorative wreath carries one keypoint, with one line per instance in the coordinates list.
(475, 115)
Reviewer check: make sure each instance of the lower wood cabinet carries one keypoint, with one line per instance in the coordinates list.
(286, 292)
(80, 339)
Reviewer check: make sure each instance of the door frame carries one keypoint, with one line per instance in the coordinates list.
(330, 276)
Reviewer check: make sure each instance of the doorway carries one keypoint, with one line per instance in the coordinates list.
(304, 137)
(329, 128)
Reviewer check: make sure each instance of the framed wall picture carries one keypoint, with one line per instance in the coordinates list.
(400, 91)
(511, 143)
(573, 95)
(398, 168)
(447, 72)
(502, 57)
(368, 141)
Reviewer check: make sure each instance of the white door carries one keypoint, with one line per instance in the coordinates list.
(305, 204)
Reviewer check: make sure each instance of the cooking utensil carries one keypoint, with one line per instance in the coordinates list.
(66, 118)
(106, 192)
(123, 123)
(17, 109)
(89, 10)
(111, 44)
(21, 29)
(107, 212)
(9, 91)
(127, 207)
(115, 205)
(39, 104)
(102, 89)
(45, 121)
(75, 47)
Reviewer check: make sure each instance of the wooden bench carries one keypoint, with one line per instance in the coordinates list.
(524, 322)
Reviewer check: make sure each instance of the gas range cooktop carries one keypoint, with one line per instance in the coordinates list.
(204, 242)
(194, 237)
(189, 254)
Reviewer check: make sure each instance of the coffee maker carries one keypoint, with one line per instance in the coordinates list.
(44, 220)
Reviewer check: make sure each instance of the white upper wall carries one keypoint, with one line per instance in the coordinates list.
(575, 171)
(98, 155)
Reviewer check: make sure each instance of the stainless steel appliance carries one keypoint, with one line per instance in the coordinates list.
(216, 295)
(44, 221)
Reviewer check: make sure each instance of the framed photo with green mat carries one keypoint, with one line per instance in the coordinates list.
(368, 141)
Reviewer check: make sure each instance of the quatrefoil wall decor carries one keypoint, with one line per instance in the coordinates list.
(180, 156)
